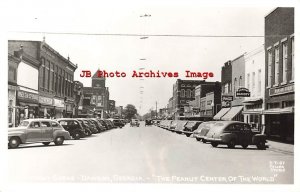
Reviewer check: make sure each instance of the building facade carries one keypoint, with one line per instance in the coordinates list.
(255, 83)
(279, 74)
(13, 63)
(96, 98)
(50, 84)
(183, 93)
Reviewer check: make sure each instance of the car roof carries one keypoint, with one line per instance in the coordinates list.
(39, 119)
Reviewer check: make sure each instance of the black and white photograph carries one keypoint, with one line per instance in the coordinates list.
(181, 94)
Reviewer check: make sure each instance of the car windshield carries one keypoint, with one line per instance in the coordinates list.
(23, 124)
(190, 124)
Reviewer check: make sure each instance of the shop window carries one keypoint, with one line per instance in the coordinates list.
(288, 104)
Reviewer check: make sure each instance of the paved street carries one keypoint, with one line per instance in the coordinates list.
(147, 154)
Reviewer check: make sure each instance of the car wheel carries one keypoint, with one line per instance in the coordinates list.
(188, 134)
(214, 144)
(231, 144)
(203, 141)
(76, 135)
(14, 142)
(198, 139)
(46, 143)
(59, 140)
(245, 146)
(261, 145)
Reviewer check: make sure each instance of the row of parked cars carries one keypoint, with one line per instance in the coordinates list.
(46, 130)
(230, 133)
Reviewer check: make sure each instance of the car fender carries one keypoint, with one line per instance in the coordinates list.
(59, 133)
(226, 137)
(258, 138)
(19, 134)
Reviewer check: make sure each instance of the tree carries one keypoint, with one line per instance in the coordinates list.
(130, 111)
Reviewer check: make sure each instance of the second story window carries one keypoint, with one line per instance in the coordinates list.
(276, 72)
(188, 93)
(284, 62)
(182, 93)
(270, 68)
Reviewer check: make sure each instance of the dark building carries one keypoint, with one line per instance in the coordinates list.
(78, 97)
(226, 81)
(208, 98)
(13, 63)
(279, 74)
(55, 77)
(183, 93)
(95, 98)
(111, 106)
(233, 78)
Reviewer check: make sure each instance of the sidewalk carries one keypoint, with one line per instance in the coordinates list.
(280, 147)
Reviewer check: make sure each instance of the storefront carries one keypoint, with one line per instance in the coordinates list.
(46, 108)
(27, 105)
(253, 113)
(58, 107)
(12, 90)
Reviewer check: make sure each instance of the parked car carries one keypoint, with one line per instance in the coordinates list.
(91, 125)
(97, 124)
(134, 122)
(190, 127)
(173, 125)
(202, 130)
(73, 126)
(148, 122)
(86, 127)
(103, 123)
(232, 133)
(37, 131)
(180, 126)
(110, 123)
(117, 122)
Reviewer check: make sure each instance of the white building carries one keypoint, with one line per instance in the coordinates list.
(255, 82)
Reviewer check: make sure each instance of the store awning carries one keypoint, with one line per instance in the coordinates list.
(279, 111)
(221, 113)
(28, 104)
(253, 101)
(253, 112)
(232, 113)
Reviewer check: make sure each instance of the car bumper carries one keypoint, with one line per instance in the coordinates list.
(209, 139)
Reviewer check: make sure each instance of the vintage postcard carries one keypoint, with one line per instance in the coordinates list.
(138, 93)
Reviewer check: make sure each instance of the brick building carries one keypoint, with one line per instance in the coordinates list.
(53, 74)
(95, 98)
(183, 93)
(279, 74)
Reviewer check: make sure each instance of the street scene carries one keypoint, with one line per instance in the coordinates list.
(149, 154)
(154, 96)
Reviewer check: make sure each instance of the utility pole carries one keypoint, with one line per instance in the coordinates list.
(156, 109)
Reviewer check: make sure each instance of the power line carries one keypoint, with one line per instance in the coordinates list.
(147, 35)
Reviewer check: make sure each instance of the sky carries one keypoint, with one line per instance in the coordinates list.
(81, 32)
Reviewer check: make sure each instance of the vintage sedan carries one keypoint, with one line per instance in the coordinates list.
(232, 133)
(190, 127)
(202, 130)
(37, 131)
(134, 122)
(180, 126)
(73, 126)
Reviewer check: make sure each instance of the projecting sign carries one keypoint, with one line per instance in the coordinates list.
(227, 98)
(242, 92)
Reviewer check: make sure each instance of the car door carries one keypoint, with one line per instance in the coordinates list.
(47, 131)
(246, 133)
(34, 132)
